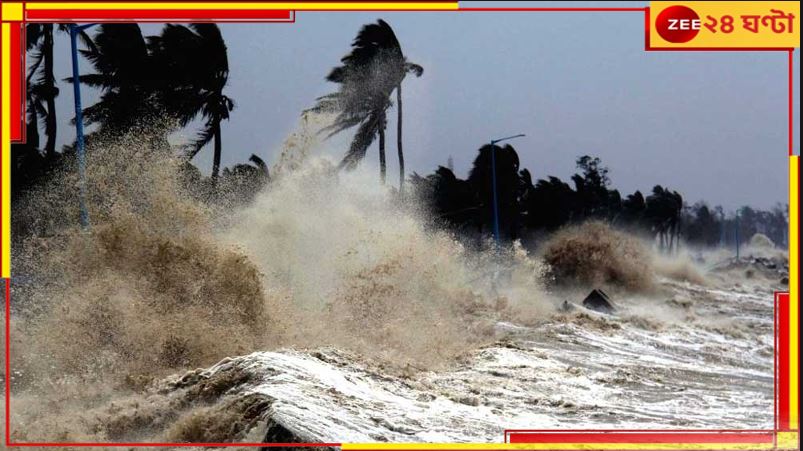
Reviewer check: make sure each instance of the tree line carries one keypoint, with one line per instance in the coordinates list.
(527, 208)
(163, 81)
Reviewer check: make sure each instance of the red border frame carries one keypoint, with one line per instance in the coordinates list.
(18, 134)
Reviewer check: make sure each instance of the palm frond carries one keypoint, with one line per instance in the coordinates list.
(413, 68)
(372, 41)
(86, 40)
(82, 35)
(329, 103)
(38, 57)
(33, 34)
(258, 162)
(204, 137)
(341, 124)
(363, 138)
(93, 80)
(367, 76)
(39, 108)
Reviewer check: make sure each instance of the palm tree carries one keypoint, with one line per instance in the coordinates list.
(663, 210)
(179, 74)
(406, 67)
(369, 74)
(196, 59)
(126, 76)
(42, 91)
(509, 188)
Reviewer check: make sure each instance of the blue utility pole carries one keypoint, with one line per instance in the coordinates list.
(493, 183)
(79, 126)
(738, 238)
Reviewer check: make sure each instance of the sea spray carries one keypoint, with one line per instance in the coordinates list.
(163, 281)
(594, 254)
(360, 270)
(303, 142)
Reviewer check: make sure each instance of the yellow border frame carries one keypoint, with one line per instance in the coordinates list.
(5, 146)
(794, 291)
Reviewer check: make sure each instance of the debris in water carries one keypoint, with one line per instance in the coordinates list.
(599, 301)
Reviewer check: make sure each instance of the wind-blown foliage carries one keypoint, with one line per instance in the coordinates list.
(195, 56)
(367, 77)
(179, 74)
(42, 88)
(125, 74)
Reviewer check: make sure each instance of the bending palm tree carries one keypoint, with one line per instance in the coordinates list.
(418, 71)
(367, 78)
(196, 58)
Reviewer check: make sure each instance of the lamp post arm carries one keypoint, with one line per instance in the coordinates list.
(493, 183)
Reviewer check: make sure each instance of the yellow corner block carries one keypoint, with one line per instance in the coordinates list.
(12, 12)
(787, 440)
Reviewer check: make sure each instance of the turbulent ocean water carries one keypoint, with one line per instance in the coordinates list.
(576, 370)
(325, 311)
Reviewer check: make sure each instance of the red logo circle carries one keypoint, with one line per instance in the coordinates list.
(677, 24)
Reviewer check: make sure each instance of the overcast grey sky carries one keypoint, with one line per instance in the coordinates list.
(712, 125)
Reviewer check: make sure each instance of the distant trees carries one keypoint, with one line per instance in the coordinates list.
(31, 162)
(702, 226)
(705, 226)
(240, 183)
(509, 190)
(662, 213)
(550, 204)
(527, 207)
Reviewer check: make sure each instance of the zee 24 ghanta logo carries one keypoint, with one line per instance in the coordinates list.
(679, 24)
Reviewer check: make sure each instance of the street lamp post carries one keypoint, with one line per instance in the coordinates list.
(736, 234)
(79, 125)
(493, 183)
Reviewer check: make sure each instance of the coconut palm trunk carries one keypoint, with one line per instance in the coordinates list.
(218, 151)
(399, 137)
(671, 238)
(382, 162)
(50, 96)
